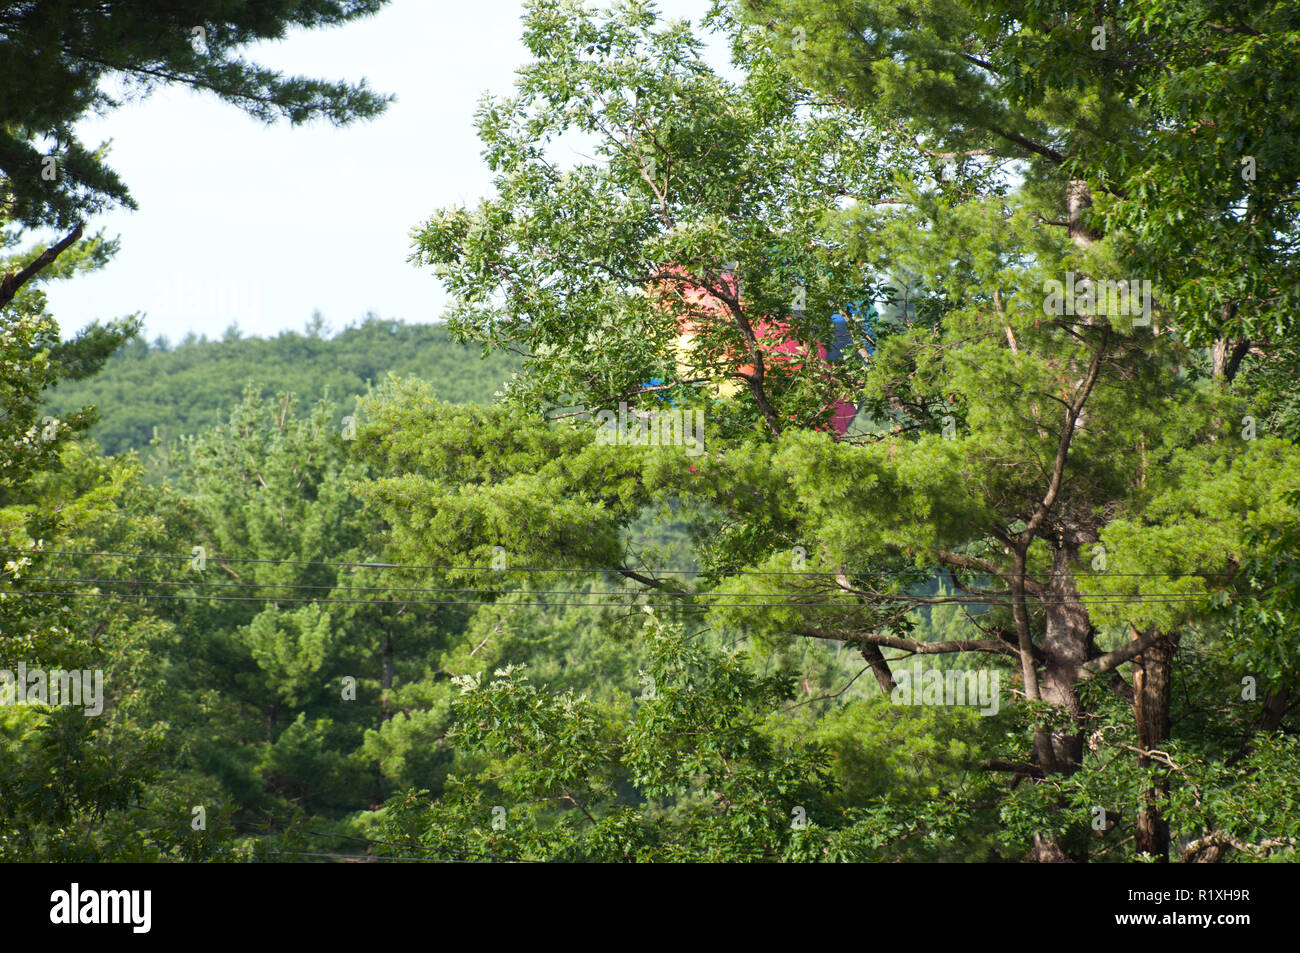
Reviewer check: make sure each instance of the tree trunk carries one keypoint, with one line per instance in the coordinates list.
(1078, 197)
(1276, 705)
(879, 667)
(1067, 636)
(1152, 687)
(1226, 357)
(386, 676)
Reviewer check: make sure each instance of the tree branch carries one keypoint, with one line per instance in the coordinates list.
(10, 284)
(1104, 663)
(911, 645)
(1063, 445)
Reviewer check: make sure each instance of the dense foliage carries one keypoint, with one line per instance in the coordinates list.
(1039, 604)
(165, 391)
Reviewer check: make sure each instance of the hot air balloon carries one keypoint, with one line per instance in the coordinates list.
(851, 338)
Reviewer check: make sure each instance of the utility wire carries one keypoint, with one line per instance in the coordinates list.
(796, 593)
(845, 606)
(543, 569)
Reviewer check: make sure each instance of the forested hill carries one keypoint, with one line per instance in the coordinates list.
(189, 387)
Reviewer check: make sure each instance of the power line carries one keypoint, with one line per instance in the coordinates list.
(1168, 598)
(544, 569)
(795, 593)
(345, 565)
(278, 585)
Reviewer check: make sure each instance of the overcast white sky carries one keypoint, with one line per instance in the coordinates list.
(261, 225)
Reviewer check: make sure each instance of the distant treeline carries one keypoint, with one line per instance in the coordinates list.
(187, 388)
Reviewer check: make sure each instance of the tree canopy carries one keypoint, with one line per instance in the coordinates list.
(647, 603)
(59, 58)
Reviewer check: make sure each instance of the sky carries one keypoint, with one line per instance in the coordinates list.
(260, 226)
